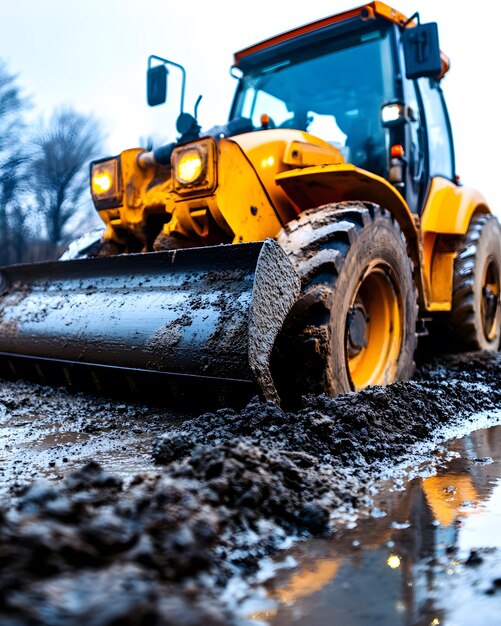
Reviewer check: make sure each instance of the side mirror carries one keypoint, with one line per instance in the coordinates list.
(156, 79)
(422, 51)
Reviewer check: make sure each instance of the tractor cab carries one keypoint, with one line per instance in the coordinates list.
(368, 82)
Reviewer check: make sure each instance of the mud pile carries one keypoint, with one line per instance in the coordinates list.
(94, 550)
(354, 429)
(85, 551)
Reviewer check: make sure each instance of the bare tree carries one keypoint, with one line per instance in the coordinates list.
(43, 184)
(12, 161)
(60, 170)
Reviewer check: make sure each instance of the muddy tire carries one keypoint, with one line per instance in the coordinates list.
(475, 318)
(354, 324)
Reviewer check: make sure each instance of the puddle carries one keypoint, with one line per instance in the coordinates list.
(433, 558)
(56, 439)
(55, 442)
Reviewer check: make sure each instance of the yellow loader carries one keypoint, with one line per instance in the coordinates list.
(298, 248)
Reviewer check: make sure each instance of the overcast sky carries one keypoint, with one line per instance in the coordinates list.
(92, 55)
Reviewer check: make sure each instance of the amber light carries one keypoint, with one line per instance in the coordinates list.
(194, 167)
(397, 151)
(265, 120)
(101, 183)
(190, 167)
(105, 183)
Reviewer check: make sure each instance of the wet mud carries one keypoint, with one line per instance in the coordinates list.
(173, 509)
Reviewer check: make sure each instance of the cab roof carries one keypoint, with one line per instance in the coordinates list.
(365, 12)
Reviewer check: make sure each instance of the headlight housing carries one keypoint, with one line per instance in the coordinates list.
(105, 183)
(393, 114)
(194, 167)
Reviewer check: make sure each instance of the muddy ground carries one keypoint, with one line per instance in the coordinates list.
(122, 514)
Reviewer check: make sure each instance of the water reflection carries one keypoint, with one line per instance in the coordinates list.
(405, 568)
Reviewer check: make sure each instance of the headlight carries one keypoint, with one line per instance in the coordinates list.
(190, 166)
(102, 182)
(105, 184)
(392, 114)
(194, 167)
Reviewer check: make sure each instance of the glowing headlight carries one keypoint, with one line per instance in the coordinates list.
(189, 167)
(101, 183)
(194, 167)
(393, 114)
(393, 561)
(105, 183)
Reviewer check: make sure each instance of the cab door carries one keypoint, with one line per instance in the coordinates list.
(439, 148)
(416, 178)
(426, 131)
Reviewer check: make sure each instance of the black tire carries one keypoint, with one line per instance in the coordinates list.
(336, 249)
(475, 318)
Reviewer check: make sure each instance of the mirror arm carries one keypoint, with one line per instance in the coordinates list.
(180, 67)
(196, 106)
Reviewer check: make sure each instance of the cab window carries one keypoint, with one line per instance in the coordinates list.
(440, 150)
(334, 90)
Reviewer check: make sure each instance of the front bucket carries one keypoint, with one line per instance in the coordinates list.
(200, 315)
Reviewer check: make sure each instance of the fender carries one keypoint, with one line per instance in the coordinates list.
(447, 215)
(449, 208)
(311, 187)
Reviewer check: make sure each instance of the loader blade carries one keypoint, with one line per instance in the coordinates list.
(186, 325)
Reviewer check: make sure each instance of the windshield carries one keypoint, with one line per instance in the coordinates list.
(336, 94)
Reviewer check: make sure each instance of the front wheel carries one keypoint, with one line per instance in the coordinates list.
(354, 324)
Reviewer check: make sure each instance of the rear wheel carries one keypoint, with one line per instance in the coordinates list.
(354, 324)
(475, 318)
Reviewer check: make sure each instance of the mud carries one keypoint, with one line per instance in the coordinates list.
(354, 430)
(103, 545)
(276, 288)
(108, 556)
(47, 433)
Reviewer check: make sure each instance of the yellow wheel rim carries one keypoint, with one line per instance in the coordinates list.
(489, 307)
(374, 328)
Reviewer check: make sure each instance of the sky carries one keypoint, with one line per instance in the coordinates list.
(92, 55)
